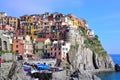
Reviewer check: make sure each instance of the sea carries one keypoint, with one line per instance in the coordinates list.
(111, 75)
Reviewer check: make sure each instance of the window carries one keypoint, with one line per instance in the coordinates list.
(55, 49)
(59, 49)
(66, 49)
(16, 46)
(59, 53)
(36, 50)
(5, 45)
(23, 38)
(55, 53)
(17, 41)
(45, 23)
(17, 51)
(55, 45)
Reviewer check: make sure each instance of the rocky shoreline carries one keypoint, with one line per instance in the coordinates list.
(77, 75)
(4, 70)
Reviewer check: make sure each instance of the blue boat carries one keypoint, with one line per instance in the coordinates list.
(42, 66)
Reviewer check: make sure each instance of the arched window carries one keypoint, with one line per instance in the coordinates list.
(5, 45)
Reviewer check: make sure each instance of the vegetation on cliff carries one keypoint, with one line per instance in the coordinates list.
(93, 43)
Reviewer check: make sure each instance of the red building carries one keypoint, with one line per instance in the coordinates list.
(18, 46)
(50, 18)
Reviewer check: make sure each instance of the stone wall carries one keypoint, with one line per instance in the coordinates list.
(8, 57)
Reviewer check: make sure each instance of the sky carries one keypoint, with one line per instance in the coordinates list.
(103, 16)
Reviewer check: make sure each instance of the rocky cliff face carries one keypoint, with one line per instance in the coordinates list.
(103, 62)
(85, 59)
(88, 54)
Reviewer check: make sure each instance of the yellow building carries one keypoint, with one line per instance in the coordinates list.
(75, 23)
(33, 26)
(13, 21)
(30, 25)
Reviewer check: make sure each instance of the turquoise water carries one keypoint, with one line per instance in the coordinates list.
(112, 75)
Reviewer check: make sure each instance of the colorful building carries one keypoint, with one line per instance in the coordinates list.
(90, 33)
(2, 14)
(29, 23)
(83, 23)
(18, 45)
(65, 50)
(12, 21)
(39, 46)
(28, 45)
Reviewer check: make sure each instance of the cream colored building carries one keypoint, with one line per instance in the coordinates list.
(2, 14)
(90, 33)
(28, 45)
(65, 49)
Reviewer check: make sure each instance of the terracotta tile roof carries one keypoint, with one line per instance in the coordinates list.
(41, 39)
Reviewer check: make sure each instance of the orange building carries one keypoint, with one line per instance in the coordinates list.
(18, 46)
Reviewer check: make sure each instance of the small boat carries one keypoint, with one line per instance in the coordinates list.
(26, 68)
(42, 66)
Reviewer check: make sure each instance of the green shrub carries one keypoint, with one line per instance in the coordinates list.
(95, 46)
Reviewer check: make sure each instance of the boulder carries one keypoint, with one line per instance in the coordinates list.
(117, 67)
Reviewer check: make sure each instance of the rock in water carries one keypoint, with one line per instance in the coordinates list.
(117, 67)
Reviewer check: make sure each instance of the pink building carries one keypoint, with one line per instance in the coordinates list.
(56, 50)
(6, 27)
(9, 28)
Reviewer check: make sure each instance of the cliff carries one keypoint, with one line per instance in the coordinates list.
(87, 54)
(85, 59)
